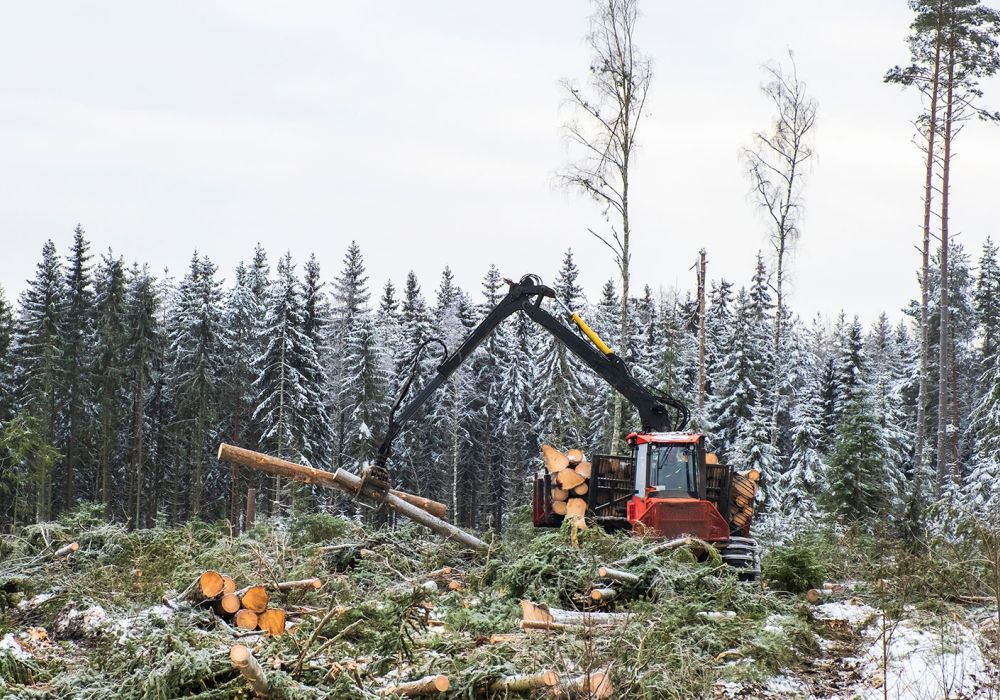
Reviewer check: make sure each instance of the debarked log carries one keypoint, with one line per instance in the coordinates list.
(310, 475)
(428, 685)
(354, 485)
(522, 682)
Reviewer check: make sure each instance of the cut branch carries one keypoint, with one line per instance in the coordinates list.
(249, 668)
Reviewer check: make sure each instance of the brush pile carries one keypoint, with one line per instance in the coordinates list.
(370, 613)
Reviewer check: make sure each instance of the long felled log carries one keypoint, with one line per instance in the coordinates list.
(352, 484)
(310, 475)
(534, 613)
(304, 584)
(523, 682)
(428, 685)
(595, 685)
(618, 575)
(249, 668)
(418, 515)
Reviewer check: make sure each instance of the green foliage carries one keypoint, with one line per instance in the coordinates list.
(796, 565)
(317, 528)
(859, 488)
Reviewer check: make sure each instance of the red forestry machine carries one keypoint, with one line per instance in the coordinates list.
(668, 486)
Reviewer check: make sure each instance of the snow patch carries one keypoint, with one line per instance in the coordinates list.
(75, 622)
(934, 661)
(35, 601)
(853, 612)
(13, 647)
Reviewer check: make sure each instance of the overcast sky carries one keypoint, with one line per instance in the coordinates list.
(430, 133)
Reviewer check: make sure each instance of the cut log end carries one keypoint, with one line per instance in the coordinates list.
(249, 668)
(569, 479)
(246, 619)
(575, 456)
(228, 584)
(228, 604)
(255, 598)
(304, 584)
(584, 469)
(555, 461)
(559, 507)
(272, 621)
(211, 583)
(576, 508)
(67, 549)
(603, 594)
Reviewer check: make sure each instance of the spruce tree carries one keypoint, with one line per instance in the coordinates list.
(448, 412)
(317, 326)
(517, 406)
(40, 363)
(350, 298)
(283, 391)
(145, 388)
(6, 359)
(857, 475)
(243, 316)
(987, 303)
(800, 483)
(560, 374)
(984, 475)
(731, 409)
(492, 471)
(196, 339)
(109, 369)
(886, 379)
(77, 332)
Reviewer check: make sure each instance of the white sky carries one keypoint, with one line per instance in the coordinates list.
(430, 132)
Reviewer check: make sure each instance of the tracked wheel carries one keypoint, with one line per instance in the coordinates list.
(742, 554)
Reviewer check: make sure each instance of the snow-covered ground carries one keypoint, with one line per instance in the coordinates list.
(926, 658)
(922, 656)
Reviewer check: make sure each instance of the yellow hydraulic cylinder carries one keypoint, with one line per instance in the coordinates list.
(591, 333)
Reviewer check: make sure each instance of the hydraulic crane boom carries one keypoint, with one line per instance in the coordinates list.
(658, 412)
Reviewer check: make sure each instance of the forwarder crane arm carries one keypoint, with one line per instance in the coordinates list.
(658, 412)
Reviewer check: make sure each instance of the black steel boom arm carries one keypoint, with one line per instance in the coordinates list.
(657, 412)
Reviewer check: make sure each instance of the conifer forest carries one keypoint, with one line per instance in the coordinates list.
(139, 559)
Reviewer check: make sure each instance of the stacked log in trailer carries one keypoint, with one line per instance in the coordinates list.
(567, 482)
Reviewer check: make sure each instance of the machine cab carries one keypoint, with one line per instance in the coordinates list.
(669, 465)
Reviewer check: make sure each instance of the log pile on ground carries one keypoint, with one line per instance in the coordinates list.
(249, 608)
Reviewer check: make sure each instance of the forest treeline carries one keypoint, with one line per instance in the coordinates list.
(116, 386)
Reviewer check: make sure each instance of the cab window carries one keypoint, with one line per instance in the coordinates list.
(671, 470)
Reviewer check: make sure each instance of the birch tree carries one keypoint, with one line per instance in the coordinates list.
(777, 165)
(603, 131)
